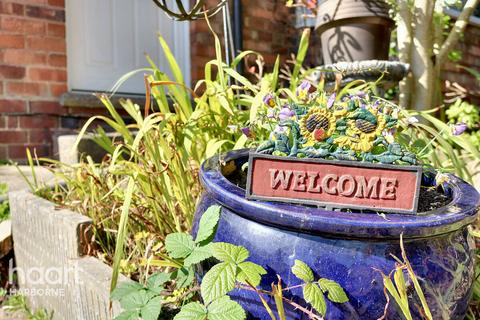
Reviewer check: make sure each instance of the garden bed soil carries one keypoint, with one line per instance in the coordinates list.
(431, 198)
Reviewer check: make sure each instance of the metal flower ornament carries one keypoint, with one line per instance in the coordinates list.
(356, 126)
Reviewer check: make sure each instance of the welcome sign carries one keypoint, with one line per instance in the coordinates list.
(334, 184)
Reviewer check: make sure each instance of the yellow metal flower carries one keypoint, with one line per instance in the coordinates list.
(367, 129)
(358, 143)
(317, 125)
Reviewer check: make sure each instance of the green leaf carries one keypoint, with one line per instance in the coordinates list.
(122, 231)
(157, 280)
(218, 281)
(134, 300)
(313, 295)
(198, 255)
(225, 309)
(302, 271)
(335, 291)
(192, 311)
(128, 315)
(124, 289)
(208, 223)
(229, 253)
(183, 277)
(250, 271)
(152, 309)
(179, 245)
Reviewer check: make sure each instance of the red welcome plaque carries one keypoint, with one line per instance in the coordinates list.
(334, 184)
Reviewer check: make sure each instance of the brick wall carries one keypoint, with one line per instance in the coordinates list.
(267, 29)
(33, 75)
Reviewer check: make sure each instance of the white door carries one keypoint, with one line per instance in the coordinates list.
(108, 38)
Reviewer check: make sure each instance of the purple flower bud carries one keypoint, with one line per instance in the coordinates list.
(286, 113)
(459, 128)
(269, 100)
(331, 100)
(361, 94)
(280, 129)
(247, 131)
(271, 113)
(412, 120)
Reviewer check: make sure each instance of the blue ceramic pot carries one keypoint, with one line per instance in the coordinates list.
(348, 247)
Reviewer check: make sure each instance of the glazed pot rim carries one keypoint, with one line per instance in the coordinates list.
(460, 212)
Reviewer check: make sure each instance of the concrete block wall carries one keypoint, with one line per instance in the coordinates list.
(53, 271)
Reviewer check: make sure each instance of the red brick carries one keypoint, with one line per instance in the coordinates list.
(13, 136)
(12, 121)
(12, 106)
(26, 88)
(45, 107)
(56, 30)
(45, 13)
(57, 60)
(46, 44)
(37, 121)
(39, 136)
(11, 8)
(56, 90)
(57, 3)
(45, 74)
(17, 152)
(23, 57)
(3, 152)
(11, 72)
(12, 23)
(12, 41)
(34, 27)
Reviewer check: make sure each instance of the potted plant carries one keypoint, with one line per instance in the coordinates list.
(354, 247)
(354, 30)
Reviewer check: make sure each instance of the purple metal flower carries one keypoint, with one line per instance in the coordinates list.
(286, 113)
(271, 113)
(459, 128)
(280, 129)
(269, 100)
(331, 100)
(302, 89)
(247, 131)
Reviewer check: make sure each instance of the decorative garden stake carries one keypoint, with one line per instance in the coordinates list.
(316, 158)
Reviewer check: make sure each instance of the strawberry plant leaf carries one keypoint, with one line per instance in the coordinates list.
(192, 311)
(124, 289)
(151, 310)
(250, 271)
(128, 315)
(179, 245)
(208, 223)
(218, 281)
(183, 277)
(156, 281)
(302, 271)
(228, 252)
(225, 309)
(335, 291)
(313, 295)
(198, 255)
(134, 300)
